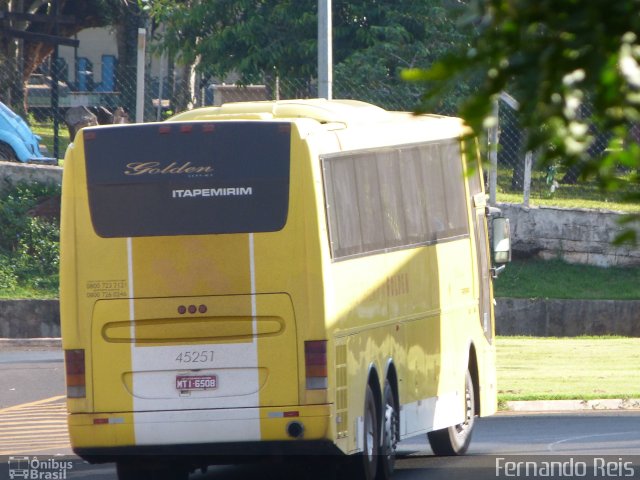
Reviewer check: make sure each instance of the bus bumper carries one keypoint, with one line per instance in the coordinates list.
(247, 431)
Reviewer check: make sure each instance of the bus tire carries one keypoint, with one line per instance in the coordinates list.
(141, 471)
(363, 465)
(389, 434)
(455, 440)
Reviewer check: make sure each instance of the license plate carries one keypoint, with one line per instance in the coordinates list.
(196, 382)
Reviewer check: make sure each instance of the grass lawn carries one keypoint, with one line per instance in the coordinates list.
(567, 368)
(45, 131)
(583, 194)
(557, 279)
(605, 203)
(26, 291)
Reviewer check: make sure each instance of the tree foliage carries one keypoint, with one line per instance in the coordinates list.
(573, 65)
(279, 37)
(245, 36)
(402, 35)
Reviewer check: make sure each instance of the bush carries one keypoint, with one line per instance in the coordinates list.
(38, 251)
(8, 278)
(14, 205)
(29, 246)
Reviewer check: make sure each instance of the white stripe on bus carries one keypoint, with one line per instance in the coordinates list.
(197, 426)
(241, 389)
(432, 413)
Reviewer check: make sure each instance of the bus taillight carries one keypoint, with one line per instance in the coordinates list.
(75, 369)
(315, 362)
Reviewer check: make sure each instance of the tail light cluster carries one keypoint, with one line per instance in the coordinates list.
(76, 376)
(315, 362)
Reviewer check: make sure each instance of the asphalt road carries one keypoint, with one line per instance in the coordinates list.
(30, 374)
(582, 445)
(598, 444)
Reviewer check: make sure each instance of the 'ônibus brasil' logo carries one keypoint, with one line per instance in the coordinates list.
(174, 168)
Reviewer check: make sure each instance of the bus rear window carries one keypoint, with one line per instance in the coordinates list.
(188, 178)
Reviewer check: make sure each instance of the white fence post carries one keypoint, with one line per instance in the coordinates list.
(528, 158)
(142, 40)
(526, 188)
(493, 154)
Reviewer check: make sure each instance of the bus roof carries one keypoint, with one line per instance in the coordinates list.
(347, 112)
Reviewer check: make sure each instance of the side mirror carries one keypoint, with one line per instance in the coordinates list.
(501, 240)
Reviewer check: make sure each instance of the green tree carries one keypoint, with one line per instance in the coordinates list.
(372, 39)
(573, 65)
(249, 37)
(397, 36)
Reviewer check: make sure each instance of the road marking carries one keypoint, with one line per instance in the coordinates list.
(34, 427)
(552, 446)
(37, 402)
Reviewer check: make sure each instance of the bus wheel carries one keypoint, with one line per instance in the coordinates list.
(390, 434)
(140, 471)
(455, 440)
(363, 466)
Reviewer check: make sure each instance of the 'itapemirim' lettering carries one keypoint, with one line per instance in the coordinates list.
(213, 192)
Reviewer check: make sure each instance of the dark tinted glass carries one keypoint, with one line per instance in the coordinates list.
(188, 178)
(396, 197)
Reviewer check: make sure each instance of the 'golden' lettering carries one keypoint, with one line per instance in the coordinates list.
(155, 168)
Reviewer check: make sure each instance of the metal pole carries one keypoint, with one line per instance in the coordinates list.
(526, 190)
(493, 154)
(325, 50)
(163, 60)
(20, 44)
(142, 40)
(54, 84)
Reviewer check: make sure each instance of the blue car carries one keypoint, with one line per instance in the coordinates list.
(17, 141)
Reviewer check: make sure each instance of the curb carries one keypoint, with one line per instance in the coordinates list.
(27, 343)
(547, 406)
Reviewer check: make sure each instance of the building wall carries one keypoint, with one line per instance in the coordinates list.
(98, 42)
(94, 43)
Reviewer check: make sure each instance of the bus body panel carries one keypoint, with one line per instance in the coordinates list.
(416, 316)
(222, 343)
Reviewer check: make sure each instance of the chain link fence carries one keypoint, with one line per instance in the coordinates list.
(111, 92)
(521, 177)
(518, 172)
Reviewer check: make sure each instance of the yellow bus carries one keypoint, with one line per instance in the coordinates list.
(289, 277)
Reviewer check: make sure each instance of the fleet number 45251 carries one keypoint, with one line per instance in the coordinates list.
(195, 356)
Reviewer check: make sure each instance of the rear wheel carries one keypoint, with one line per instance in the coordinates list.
(363, 466)
(390, 434)
(7, 154)
(455, 440)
